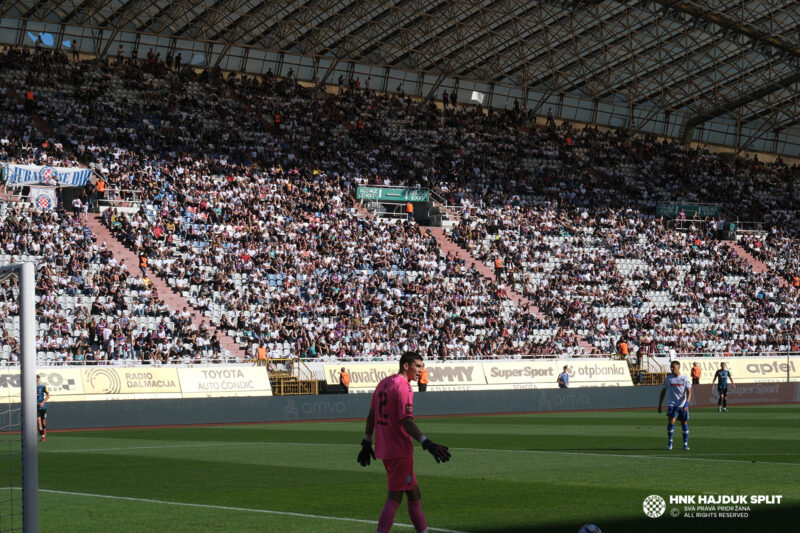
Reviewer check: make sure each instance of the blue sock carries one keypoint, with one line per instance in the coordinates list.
(670, 431)
(685, 434)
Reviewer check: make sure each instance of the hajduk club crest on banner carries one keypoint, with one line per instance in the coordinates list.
(49, 176)
(43, 198)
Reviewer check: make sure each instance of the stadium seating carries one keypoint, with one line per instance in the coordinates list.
(246, 190)
(90, 307)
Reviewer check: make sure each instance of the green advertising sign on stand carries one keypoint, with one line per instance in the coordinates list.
(669, 209)
(387, 194)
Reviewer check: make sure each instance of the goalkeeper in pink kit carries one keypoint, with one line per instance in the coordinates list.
(391, 418)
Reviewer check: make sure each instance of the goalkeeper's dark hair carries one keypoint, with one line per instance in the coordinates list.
(409, 357)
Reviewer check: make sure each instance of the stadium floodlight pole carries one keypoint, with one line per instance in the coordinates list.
(30, 459)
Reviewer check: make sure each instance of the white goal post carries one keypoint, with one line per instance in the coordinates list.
(26, 274)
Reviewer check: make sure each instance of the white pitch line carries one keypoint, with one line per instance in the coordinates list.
(737, 454)
(237, 509)
(679, 456)
(165, 446)
(675, 457)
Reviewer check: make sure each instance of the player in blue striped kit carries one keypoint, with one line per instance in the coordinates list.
(42, 395)
(680, 394)
(724, 376)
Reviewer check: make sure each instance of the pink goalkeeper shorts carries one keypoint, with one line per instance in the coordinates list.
(400, 472)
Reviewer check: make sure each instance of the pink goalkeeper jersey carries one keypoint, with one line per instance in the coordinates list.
(392, 401)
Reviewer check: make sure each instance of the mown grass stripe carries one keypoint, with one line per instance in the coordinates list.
(674, 456)
(238, 509)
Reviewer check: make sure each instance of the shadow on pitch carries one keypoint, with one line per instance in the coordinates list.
(760, 518)
(597, 450)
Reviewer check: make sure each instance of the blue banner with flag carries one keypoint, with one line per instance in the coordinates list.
(21, 175)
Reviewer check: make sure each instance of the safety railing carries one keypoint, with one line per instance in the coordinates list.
(290, 376)
(113, 198)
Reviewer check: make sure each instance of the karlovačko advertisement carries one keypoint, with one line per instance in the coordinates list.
(491, 375)
(130, 383)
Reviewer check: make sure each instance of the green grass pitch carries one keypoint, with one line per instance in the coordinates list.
(514, 473)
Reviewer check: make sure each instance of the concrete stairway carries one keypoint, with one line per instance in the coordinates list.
(37, 121)
(174, 300)
(448, 246)
(6, 195)
(758, 266)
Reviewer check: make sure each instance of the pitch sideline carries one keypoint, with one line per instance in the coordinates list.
(237, 509)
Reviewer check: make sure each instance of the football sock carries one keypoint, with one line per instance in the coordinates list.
(719, 401)
(725, 402)
(387, 516)
(685, 434)
(670, 431)
(415, 513)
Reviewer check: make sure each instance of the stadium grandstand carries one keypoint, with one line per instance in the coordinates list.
(207, 182)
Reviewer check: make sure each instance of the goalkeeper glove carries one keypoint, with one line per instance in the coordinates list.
(365, 453)
(439, 452)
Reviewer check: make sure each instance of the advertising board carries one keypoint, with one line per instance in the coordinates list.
(207, 382)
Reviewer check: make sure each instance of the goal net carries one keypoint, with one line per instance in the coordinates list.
(10, 446)
(18, 425)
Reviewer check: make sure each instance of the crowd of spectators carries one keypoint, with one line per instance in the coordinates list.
(245, 186)
(297, 265)
(612, 274)
(90, 308)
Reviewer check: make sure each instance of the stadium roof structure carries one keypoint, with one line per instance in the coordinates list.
(719, 71)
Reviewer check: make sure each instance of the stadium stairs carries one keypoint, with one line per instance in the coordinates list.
(642, 376)
(648, 379)
(175, 301)
(38, 122)
(284, 383)
(757, 266)
(448, 246)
